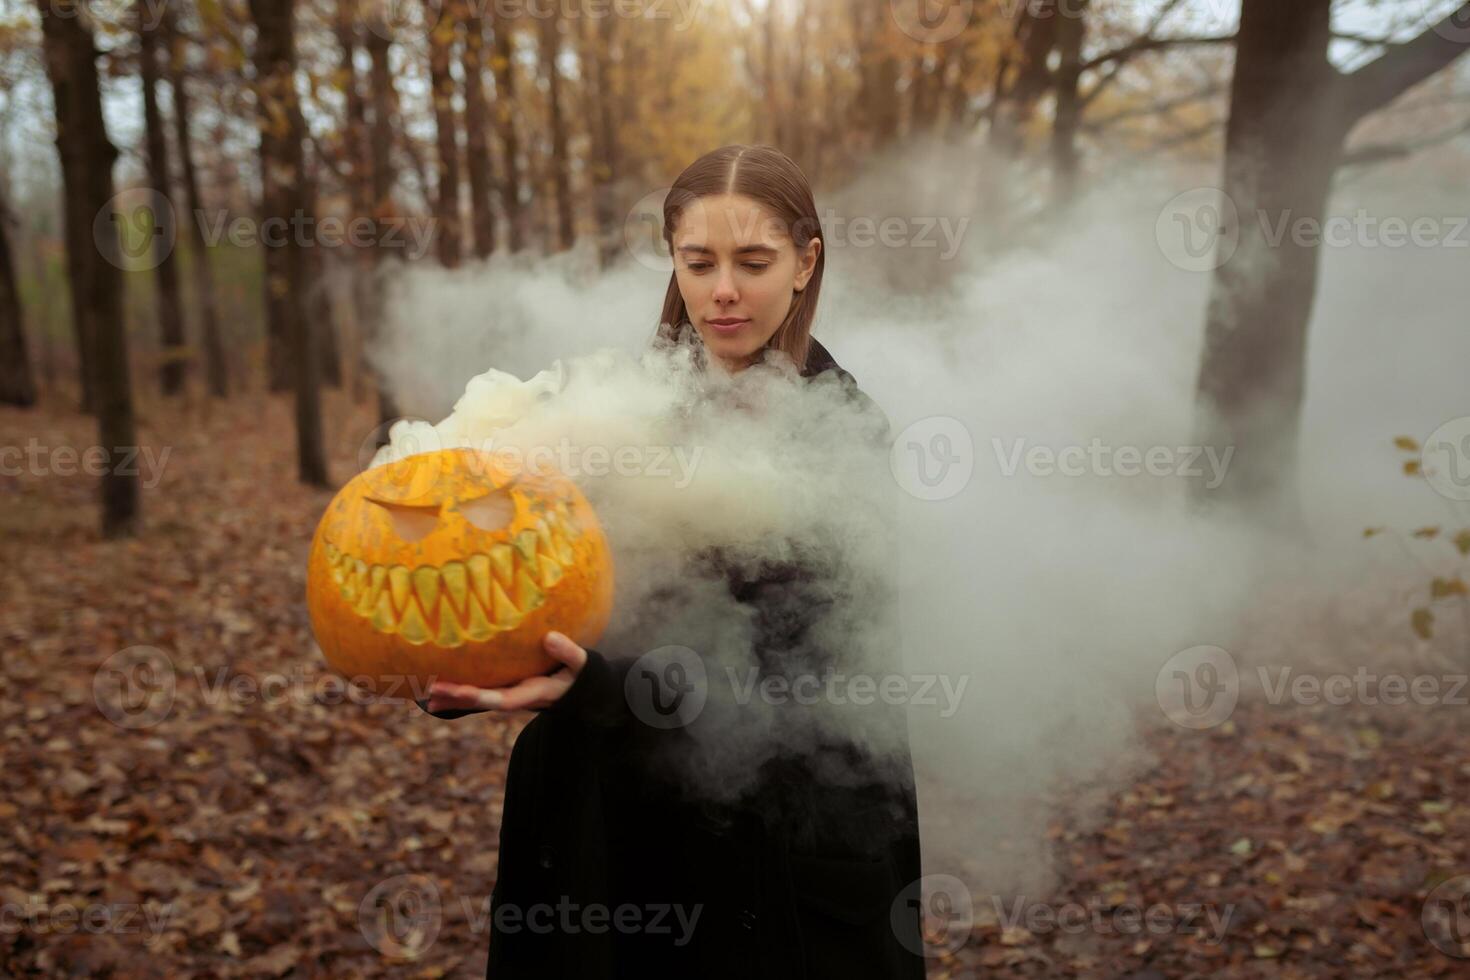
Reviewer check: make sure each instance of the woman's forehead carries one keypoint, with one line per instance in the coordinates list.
(728, 221)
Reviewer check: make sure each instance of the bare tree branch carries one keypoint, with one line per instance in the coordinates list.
(1384, 79)
(1145, 44)
(1155, 108)
(1374, 153)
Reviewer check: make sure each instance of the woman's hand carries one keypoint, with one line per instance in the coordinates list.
(532, 693)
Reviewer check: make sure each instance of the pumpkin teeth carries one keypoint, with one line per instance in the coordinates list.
(478, 627)
(412, 626)
(528, 594)
(456, 584)
(450, 634)
(398, 581)
(426, 586)
(383, 619)
(525, 546)
(503, 560)
(458, 602)
(505, 612)
(479, 571)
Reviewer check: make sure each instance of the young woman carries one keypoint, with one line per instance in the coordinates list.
(806, 875)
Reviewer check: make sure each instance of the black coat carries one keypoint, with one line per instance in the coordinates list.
(798, 879)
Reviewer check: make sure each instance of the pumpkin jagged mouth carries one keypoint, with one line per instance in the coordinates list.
(459, 601)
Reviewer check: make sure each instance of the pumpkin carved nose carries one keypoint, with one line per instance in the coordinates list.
(411, 522)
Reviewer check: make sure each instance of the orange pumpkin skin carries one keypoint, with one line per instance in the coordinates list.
(453, 565)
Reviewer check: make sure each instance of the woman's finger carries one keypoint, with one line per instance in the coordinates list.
(564, 649)
(535, 691)
(463, 695)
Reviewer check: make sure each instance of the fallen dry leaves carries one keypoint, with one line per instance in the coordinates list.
(242, 834)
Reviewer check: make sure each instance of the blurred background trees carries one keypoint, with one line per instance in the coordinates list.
(525, 127)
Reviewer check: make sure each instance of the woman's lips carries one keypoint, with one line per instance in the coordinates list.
(726, 328)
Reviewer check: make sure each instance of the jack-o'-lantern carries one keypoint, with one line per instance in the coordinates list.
(453, 565)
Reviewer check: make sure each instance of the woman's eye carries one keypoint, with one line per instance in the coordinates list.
(752, 266)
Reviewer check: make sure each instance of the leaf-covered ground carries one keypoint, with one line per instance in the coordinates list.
(263, 825)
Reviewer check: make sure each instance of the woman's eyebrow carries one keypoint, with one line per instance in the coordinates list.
(744, 249)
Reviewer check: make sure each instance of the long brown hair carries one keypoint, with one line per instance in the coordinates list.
(767, 175)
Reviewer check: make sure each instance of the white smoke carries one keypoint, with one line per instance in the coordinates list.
(1059, 597)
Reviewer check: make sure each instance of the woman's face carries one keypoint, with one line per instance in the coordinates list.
(738, 271)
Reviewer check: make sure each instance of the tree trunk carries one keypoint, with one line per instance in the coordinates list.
(505, 101)
(1017, 92)
(478, 161)
(560, 163)
(283, 196)
(359, 184)
(1071, 36)
(1290, 114)
(1281, 151)
(798, 118)
(383, 207)
(596, 58)
(17, 383)
(216, 366)
(875, 112)
(165, 272)
(87, 156)
(770, 79)
(318, 295)
(441, 41)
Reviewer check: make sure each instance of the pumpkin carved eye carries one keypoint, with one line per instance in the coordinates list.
(411, 522)
(492, 512)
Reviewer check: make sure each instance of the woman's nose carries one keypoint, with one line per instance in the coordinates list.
(725, 288)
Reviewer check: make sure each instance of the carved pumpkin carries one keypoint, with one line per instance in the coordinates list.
(453, 565)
